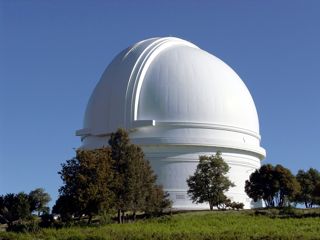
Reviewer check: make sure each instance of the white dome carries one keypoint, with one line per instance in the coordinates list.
(186, 84)
(169, 80)
(178, 102)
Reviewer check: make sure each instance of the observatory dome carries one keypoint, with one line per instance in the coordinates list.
(178, 102)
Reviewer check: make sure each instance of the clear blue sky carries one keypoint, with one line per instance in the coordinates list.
(52, 54)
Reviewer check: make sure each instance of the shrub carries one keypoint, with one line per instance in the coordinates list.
(46, 220)
(233, 205)
(24, 227)
(288, 211)
(105, 218)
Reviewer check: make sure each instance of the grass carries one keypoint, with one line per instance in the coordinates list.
(192, 225)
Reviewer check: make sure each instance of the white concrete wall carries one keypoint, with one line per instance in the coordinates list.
(174, 164)
(174, 154)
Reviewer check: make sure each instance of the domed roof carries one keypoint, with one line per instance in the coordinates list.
(169, 80)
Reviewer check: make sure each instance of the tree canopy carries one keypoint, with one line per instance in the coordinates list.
(317, 193)
(14, 207)
(209, 182)
(87, 178)
(111, 178)
(276, 186)
(39, 200)
(308, 181)
(134, 182)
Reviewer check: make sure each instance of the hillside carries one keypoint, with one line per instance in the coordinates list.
(196, 225)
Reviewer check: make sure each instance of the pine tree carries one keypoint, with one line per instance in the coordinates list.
(134, 182)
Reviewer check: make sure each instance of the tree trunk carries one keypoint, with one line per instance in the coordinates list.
(123, 217)
(134, 216)
(119, 216)
(9, 223)
(90, 219)
(211, 206)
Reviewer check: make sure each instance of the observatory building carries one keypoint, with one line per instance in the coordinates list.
(178, 102)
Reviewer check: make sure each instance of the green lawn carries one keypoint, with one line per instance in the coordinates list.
(192, 225)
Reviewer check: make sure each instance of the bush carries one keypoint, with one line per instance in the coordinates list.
(233, 205)
(46, 221)
(24, 227)
(270, 212)
(236, 205)
(164, 219)
(105, 218)
(288, 211)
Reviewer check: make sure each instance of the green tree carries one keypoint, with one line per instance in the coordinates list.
(39, 200)
(14, 207)
(288, 186)
(276, 186)
(209, 183)
(262, 185)
(87, 179)
(139, 180)
(119, 143)
(316, 194)
(156, 201)
(134, 182)
(66, 206)
(116, 177)
(308, 182)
